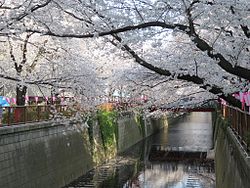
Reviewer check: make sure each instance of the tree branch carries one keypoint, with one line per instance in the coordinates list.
(200, 43)
(26, 13)
(24, 55)
(190, 78)
(114, 31)
(246, 30)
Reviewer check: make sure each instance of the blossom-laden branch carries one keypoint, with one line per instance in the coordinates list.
(189, 29)
(21, 16)
(57, 82)
(214, 89)
(197, 40)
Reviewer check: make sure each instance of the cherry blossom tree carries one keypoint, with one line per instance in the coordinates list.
(42, 64)
(205, 42)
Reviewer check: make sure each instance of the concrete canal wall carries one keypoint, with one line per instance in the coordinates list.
(232, 164)
(41, 155)
(133, 129)
(50, 155)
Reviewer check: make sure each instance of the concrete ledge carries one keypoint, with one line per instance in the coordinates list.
(31, 126)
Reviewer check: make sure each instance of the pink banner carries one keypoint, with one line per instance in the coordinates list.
(26, 98)
(13, 100)
(244, 98)
(8, 99)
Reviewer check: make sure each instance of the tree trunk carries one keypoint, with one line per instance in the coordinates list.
(20, 95)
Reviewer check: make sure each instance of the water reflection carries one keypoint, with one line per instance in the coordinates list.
(192, 131)
(173, 175)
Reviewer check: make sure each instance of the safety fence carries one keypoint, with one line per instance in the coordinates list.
(26, 114)
(34, 113)
(239, 122)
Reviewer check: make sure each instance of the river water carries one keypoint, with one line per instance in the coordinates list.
(135, 169)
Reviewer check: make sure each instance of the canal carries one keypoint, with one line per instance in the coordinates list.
(176, 157)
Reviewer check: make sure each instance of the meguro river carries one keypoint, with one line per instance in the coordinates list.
(140, 167)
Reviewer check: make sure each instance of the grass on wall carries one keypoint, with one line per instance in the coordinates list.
(107, 121)
(140, 122)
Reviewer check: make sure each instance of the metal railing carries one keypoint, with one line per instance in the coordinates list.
(239, 122)
(27, 114)
(34, 113)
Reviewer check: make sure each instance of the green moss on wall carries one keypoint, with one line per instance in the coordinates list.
(90, 121)
(140, 123)
(107, 121)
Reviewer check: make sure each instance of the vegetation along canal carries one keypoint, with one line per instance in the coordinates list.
(176, 157)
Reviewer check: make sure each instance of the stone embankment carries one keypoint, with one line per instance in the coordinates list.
(49, 154)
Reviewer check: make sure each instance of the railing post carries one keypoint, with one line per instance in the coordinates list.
(38, 113)
(239, 123)
(9, 108)
(25, 114)
(48, 111)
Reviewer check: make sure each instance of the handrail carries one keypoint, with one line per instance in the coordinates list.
(239, 122)
(26, 114)
(14, 115)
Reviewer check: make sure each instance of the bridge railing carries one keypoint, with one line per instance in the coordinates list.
(26, 114)
(239, 122)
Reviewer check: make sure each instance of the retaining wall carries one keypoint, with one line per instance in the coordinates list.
(232, 164)
(133, 128)
(50, 155)
(41, 155)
